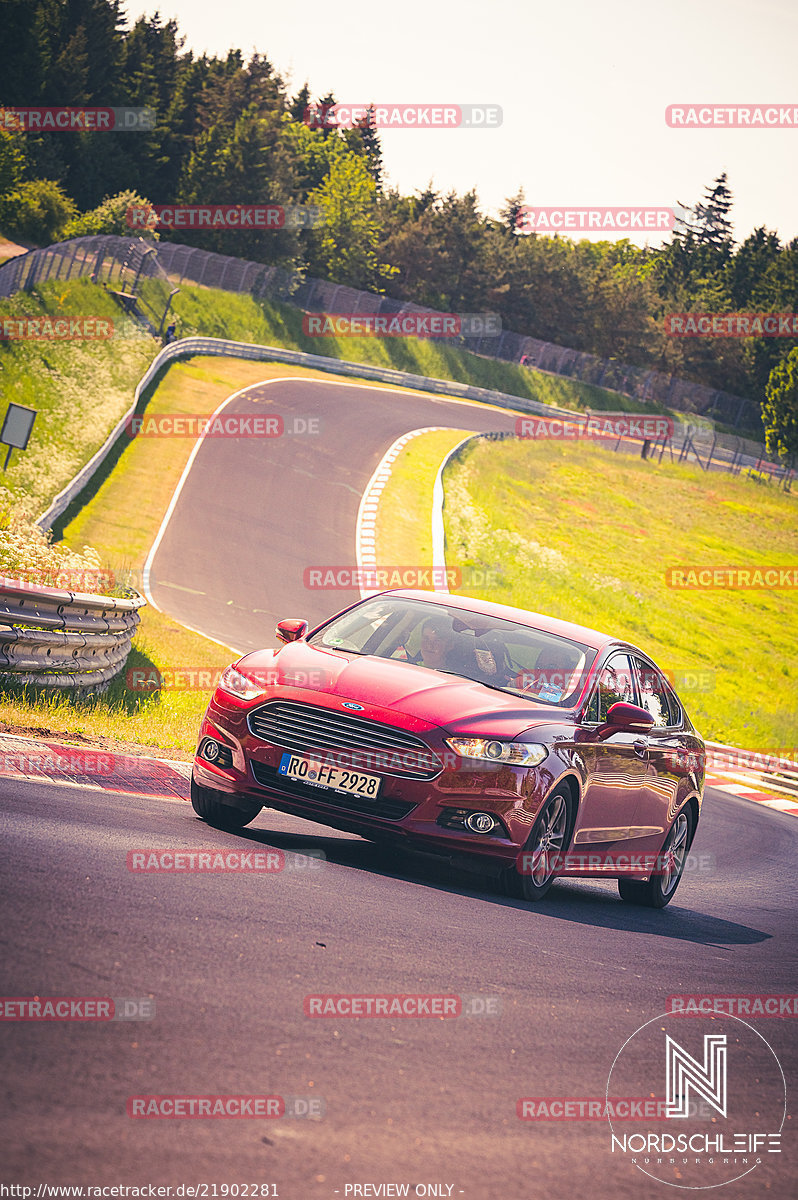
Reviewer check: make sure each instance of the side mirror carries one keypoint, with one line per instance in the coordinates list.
(291, 630)
(628, 716)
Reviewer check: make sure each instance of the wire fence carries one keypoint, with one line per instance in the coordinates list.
(128, 268)
(153, 270)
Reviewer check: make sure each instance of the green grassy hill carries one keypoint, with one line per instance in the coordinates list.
(81, 389)
(588, 535)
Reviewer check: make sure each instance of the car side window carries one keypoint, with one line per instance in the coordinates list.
(654, 694)
(615, 682)
(677, 714)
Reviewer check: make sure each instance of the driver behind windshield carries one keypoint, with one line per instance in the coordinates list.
(437, 644)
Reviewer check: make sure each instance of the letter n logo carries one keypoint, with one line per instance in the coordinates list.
(683, 1072)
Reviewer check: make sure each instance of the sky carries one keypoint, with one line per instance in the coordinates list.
(583, 88)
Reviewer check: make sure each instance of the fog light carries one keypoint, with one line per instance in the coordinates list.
(481, 822)
(211, 750)
(216, 753)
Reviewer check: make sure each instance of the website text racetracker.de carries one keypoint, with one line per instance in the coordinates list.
(390, 1006)
(222, 1191)
(232, 425)
(405, 324)
(385, 578)
(404, 116)
(616, 864)
(68, 119)
(224, 216)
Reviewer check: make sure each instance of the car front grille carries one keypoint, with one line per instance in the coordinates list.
(369, 746)
(387, 807)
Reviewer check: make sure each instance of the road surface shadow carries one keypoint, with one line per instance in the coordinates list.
(594, 902)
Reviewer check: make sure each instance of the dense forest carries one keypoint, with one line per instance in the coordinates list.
(228, 131)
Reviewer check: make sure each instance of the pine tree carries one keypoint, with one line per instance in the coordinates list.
(371, 143)
(708, 223)
(509, 214)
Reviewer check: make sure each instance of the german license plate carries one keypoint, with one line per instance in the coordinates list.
(340, 779)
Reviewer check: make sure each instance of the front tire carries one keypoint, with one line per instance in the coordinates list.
(547, 845)
(206, 804)
(661, 887)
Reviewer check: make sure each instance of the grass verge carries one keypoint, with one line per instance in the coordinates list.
(587, 535)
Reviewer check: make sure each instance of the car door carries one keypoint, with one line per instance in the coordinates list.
(669, 759)
(615, 760)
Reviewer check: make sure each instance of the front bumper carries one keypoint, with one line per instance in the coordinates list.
(406, 811)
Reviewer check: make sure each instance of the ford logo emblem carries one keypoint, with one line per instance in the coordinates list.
(351, 704)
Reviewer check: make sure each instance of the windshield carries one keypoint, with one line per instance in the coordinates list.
(514, 658)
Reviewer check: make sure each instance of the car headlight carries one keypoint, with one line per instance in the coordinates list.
(522, 754)
(240, 685)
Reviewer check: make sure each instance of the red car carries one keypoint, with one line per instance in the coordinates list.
(521, 745)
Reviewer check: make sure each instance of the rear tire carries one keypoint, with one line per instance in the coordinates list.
(206, 804)
(661, 887)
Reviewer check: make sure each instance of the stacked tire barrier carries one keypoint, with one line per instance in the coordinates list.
(57, 639)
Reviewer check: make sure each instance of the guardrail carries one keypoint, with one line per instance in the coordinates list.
(771, 767)
(187, 347)
(59, 639)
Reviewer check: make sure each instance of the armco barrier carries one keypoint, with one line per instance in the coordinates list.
(58, 639)
(186, 347)
(218, 346)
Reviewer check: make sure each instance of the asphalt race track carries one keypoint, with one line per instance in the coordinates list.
(228, 958)
(254, 513)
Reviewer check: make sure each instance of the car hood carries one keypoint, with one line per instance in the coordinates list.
(424, 698)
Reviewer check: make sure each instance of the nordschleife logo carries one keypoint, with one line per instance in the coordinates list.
(725, 1101)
